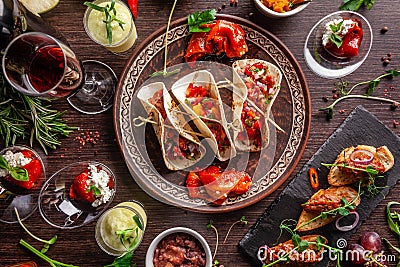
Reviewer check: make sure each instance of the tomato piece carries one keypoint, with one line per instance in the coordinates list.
(193, 183)
(34, 169)
(243, 185)
(209, 174)
(79, 189)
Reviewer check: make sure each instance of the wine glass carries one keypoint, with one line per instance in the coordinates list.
(37, 64)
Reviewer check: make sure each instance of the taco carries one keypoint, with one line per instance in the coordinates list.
(180, 149)
(256, 85)
(198, 94)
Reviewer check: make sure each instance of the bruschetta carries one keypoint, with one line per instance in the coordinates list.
(360, 157)
(325, 200)
(307, 257)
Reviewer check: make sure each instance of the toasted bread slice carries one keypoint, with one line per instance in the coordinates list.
(346, 192)
(308, 257)
(337, 177)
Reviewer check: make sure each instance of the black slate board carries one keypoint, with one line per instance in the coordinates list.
(360, 127)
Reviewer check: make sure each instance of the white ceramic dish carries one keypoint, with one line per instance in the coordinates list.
(276, 15)
(154, 243)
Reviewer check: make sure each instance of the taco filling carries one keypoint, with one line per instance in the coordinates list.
(260, 84)
(175, 148)
(251, 120)
(206, 107)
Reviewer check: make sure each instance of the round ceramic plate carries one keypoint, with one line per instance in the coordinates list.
(269, 168)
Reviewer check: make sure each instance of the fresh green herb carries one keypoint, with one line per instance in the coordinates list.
(216, 263)
(336, 39)
(395, 248)
(212, 227)
(343, 210)
(393, 218)
(336, 27)
(96, 191)
(110, 15)
(372, 175)
(372, 85)
(24, 116)
(354, 5)
(197, 19)
(18, 173)
(47, 243)
(242, 221)
(52, 262)
(125, 260)
(138, 222)
(167, 74)
(301, 245)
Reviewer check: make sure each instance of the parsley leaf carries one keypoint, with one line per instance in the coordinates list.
(197, 19)
(354, 5)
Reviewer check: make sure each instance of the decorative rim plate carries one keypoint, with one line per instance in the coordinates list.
(142, 154)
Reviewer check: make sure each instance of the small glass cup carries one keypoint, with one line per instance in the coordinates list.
(123, 40)
(121, 218)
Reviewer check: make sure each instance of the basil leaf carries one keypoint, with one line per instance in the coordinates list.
(4, 163)
(197, 19)
(19, 174)
(351, 5)
(336, 39)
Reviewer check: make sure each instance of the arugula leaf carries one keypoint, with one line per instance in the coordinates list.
(336, 39)
(354, 5)
(197, 19)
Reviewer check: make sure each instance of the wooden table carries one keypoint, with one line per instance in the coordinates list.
(78, 246)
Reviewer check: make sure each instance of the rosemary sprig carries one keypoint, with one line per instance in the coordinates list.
(23, 116)
(111, 15)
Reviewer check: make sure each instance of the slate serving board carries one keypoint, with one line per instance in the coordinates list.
(360, 127)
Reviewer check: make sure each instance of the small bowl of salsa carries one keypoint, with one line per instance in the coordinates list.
(192, 247)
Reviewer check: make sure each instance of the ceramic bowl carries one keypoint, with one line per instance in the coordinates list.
(276, 15)
(161, 236)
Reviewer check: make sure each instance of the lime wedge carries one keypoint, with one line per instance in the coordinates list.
(39, 6)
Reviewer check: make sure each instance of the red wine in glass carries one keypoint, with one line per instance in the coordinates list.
(37, 64)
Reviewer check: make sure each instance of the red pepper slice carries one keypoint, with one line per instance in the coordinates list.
(133, 6)
(314, 181)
